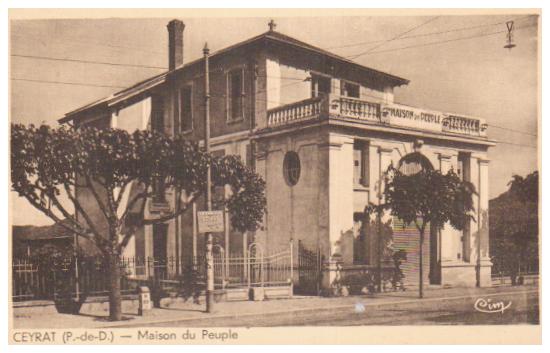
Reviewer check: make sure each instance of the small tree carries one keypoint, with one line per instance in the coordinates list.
(514, 226)
(427, 197)
(118, 170)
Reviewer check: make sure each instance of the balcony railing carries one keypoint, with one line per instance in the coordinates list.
(302, 110)
(355, 108)
(464, 125)
(397, 115)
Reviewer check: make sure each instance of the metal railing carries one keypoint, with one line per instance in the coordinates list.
(35, 279)
(45, 280)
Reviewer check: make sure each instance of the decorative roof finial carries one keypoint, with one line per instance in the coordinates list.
(206, 50)
(272, 25)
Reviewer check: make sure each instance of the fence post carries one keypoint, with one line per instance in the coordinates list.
(291, 268)
(319, 269)
(262, 269)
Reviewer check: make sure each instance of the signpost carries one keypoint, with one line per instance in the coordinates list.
(209, 258)
(210, 221)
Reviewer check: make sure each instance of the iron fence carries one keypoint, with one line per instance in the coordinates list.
(41, 279)
(36, 279)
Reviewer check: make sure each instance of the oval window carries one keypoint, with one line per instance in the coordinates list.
(291, 168)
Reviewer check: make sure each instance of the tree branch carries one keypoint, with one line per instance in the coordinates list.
(111, 205)
(130, 205)
(121, 194)
(80, 209)
(76, 228)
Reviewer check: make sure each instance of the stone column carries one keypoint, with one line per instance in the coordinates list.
(260, 235)
(447, 234)
(337, 166)
(481, 233)
(114, 119)
(340, 173)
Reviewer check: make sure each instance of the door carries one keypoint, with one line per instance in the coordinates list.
(159, 250)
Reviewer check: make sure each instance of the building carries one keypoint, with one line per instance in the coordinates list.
(321, 130)
(35, 241)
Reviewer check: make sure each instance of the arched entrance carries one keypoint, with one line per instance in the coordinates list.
(407, 237)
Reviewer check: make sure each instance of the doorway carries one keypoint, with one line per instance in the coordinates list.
(160, 234)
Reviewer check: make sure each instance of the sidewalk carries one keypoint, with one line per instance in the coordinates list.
(94, 315)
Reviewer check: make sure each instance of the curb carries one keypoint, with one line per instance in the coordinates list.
(305, 310)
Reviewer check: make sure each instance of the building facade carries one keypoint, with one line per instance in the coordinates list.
(321, 130)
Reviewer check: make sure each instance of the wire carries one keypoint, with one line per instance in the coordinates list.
(517, 144)
(445, 41)
(396, 37)
(87, 61)
(427, 34)
(65, 83)
(80, 42)
(512, 130)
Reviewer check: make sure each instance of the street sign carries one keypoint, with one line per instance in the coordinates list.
(210, 221)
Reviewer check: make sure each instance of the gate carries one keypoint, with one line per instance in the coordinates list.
(310, 271)
(256, 268)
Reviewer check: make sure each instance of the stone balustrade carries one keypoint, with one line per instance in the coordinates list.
(397, 115)
(463, 125)
(355, 108)
(288, 113)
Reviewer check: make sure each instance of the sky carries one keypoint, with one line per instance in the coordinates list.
(455, 64)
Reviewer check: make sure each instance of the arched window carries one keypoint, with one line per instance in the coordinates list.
(414, 163)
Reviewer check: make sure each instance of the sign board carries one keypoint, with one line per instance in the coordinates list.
(210, 221)
(402, 115)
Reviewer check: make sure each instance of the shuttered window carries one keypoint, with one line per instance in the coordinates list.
(235, 94)
(361, 163)
(185, 108)
(157, 114)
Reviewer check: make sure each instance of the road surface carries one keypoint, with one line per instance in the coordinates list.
(521, 308)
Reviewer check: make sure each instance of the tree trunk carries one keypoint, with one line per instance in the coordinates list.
(115, 298)
(421, 269)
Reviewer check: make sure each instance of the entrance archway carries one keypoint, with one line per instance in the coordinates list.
(407, 237)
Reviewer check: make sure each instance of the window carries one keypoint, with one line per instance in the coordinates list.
(348, 89)
(320, 85)
(361, 163)
(235, 87)
(159, 189)
(414, 163)
(157, 114)
(291, 168)
(185, 108)
(463, 167)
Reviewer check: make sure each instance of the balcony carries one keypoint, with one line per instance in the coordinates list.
(394, 115)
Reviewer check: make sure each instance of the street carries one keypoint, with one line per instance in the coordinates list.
(523, 309)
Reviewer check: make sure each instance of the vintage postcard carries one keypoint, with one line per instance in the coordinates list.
(226, 176)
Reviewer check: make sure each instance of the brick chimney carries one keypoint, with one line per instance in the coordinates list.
(175, 43)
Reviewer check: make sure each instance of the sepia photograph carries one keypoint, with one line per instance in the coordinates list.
(198, 176)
